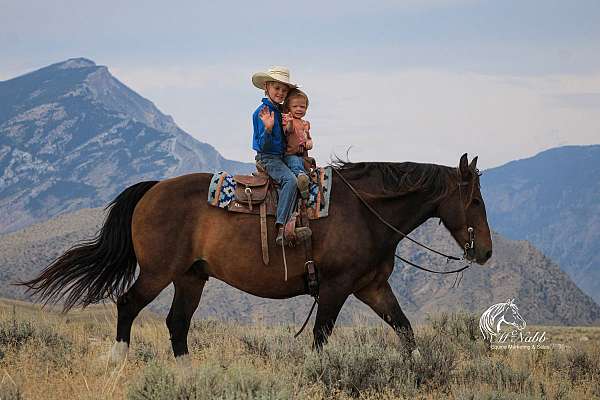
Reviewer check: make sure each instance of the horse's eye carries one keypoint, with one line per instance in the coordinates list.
(476, 202)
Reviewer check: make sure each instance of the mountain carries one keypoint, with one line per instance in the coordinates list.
(73, 136)
(553, 201)
(543, 293)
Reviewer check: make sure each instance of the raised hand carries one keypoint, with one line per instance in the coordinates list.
(268, 118)
(286, 120)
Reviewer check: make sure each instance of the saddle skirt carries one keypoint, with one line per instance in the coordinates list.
(243, 193)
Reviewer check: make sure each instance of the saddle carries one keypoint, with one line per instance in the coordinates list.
(257, 194)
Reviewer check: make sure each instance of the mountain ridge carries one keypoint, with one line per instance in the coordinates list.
(552, 199)
(73, 136)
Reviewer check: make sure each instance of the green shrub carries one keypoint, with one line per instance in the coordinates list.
(499, 375)
(278, 346)
(144, 351)
(357, 367)
(437, 361)
(157, 383)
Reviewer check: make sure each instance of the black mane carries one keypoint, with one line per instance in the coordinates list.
(403, 178)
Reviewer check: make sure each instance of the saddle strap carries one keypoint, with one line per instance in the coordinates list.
(248, 192)
(311, 269)
(263, 232)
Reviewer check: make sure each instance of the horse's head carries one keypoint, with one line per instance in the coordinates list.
(512, 317)
(462, 212)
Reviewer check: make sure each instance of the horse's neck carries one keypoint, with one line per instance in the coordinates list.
(406, 213)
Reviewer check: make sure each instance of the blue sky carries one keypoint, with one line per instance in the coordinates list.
(396, 80)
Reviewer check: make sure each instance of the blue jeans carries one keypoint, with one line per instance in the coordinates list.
(295, 163)
(286, 179)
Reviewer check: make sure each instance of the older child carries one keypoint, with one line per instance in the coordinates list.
(270, 144)
(297, 131)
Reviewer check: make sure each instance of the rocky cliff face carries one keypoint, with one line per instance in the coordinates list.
(73, 136)
(553, 201)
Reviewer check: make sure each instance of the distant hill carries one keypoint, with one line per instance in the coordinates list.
(73, 136)
(553, 201)
(543, 292)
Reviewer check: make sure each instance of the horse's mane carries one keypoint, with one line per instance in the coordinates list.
(403, 178)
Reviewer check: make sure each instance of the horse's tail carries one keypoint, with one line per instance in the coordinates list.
(100, 268)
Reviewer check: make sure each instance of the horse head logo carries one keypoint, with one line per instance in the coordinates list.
(490, 323)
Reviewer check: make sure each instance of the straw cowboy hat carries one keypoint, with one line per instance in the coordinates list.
(273, 74)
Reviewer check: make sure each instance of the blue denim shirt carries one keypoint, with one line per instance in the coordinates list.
(264, 142)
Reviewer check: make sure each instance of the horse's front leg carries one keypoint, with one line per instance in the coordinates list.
(331, 299)
(379, 296)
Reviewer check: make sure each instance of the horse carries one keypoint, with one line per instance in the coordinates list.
(168, 229)
(492, 319)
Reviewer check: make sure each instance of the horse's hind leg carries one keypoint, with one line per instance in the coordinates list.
(188, 290)
(143, 291)
(379, 296)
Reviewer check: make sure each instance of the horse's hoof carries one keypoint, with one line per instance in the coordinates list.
(118, 353)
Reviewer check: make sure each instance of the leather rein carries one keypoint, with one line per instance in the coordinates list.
(468, 247)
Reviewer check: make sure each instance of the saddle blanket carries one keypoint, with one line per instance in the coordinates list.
(222, 189)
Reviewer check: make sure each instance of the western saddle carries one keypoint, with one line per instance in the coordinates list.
(257, 194)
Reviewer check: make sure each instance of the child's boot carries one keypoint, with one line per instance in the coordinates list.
(303, 185)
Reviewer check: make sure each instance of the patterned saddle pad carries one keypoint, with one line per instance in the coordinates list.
(222, 189)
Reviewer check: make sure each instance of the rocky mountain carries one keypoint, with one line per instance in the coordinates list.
(543, 293)
(73, 136)
(553, 201)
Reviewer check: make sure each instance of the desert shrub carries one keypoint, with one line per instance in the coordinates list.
(355, 368)
(15, 333)
(144, 351)
(462, 329)
(238, 381)
(437, 360)
(499, 375)
(278, 346)
(579, 365)
(9, 391)
(209, 381)
(156, 383)
(469, 394)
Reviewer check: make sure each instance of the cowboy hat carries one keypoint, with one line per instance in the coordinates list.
(273, 74)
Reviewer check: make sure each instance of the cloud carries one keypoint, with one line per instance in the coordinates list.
(416, 114)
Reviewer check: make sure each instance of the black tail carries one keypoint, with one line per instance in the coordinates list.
(97, 269)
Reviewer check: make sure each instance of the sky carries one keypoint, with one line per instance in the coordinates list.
(413, 80)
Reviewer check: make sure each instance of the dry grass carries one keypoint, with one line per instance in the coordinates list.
(44, 355)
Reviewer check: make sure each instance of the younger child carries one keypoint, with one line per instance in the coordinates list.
(297, 132)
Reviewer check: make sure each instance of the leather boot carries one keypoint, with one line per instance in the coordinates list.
(303, 185)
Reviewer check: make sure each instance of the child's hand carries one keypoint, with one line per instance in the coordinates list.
(286, 119)
(268, 118)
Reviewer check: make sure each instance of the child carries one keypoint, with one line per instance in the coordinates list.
(297, 131)
(269, 143)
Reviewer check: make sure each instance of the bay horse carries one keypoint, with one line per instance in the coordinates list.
(169, 230)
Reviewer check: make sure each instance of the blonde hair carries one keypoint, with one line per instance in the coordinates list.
(294, 93)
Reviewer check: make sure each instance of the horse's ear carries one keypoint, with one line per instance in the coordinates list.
(473, 165)
(509, 301)
(463, 166)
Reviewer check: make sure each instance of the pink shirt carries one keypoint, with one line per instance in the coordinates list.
(297, 136)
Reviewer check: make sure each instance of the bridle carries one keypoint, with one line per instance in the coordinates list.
(469, 246)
